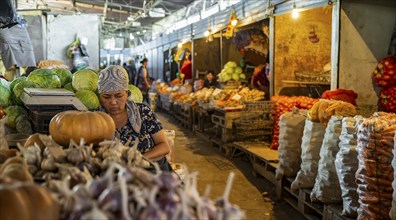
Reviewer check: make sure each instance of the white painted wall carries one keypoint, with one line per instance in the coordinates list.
(61, 31)
(366, 30)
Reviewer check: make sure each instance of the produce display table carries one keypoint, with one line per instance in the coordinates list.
(264, 160)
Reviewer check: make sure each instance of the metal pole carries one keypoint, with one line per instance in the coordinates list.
(221, 48)
(271, 54)
(335, 45)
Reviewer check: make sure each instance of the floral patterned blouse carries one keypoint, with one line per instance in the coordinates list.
(149, 126)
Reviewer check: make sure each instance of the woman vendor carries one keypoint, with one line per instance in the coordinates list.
(134, 121)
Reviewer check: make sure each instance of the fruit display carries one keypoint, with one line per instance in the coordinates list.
(387, 99)
(231, 72)
(323, 110)
(283, 104)
(385, 72)
(220, 98)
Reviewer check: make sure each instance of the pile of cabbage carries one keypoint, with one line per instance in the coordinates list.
(84, 83)
(231, 71)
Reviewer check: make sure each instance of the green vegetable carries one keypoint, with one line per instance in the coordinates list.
(16, 81)
(85, 80)
(23, 125)
(46, 78)
(18, 90)
(64, 75)
(88, 98)
(5, 95)
(69, 87)
(12, 113)
(5, 83)
(136, 94)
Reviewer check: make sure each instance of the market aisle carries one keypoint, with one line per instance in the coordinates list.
(213, 169)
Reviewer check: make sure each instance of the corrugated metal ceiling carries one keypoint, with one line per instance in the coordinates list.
(115, 11)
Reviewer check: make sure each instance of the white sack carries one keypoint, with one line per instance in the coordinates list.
(290, 136)
(327, 187)
(310, 148)
(347, 164)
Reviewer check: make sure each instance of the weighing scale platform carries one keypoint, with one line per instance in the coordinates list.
(44, 99)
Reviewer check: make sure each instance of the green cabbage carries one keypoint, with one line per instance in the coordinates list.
(18, 90)
(238, 70)
(64, 75)
(5, 83)
(69, 87)
(88, 98)
(16, 81)
(85, 80)
(5, 96)
(23, 125)
(231, 64)
(46, 78)
(136, 94)
(13, 112)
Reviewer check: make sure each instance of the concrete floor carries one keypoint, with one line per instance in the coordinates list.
(213, 168)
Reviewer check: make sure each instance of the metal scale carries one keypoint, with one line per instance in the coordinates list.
(46, 99)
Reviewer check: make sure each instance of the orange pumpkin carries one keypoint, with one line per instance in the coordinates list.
(16, 168)
(27, 201)
(94, 127)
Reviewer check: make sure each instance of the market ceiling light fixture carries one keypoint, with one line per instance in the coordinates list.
(207, 33)
(234, 22)
(295, 11)
(180, 45)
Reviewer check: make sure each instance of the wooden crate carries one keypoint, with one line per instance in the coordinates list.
(165, 102)
(301, 201)
(333, 212)
(183, 114)
(263, 160)
(225, 119)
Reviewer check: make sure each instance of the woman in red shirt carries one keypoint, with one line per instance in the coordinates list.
(186, 68)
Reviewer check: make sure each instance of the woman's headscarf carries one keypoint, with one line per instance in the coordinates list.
(113, 79)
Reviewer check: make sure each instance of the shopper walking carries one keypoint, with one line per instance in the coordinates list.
(131, 68)
(134, 121)
(143, 80)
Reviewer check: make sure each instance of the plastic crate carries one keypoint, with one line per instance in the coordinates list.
(50, 108)
(41, 120)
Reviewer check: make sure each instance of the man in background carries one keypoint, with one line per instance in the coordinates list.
(15, 46)
(131, 69)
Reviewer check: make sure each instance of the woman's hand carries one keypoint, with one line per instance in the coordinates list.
(161, 147)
